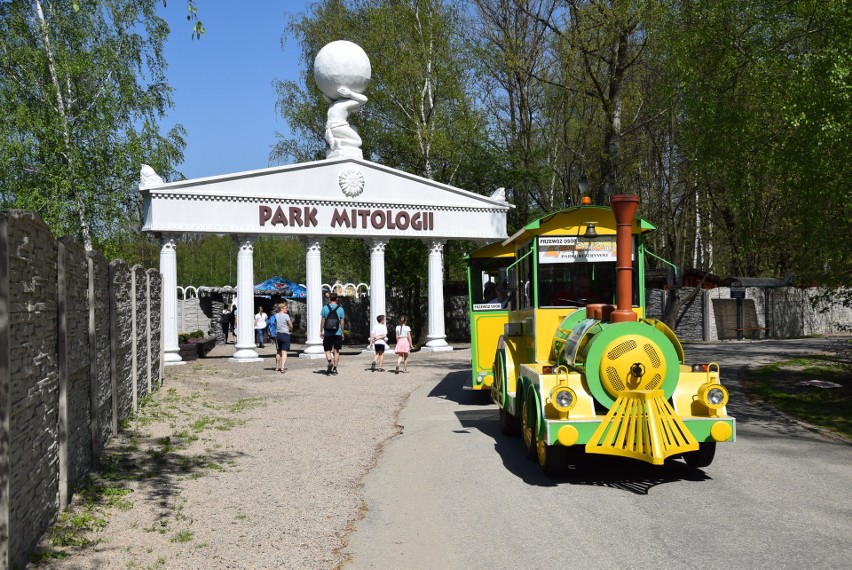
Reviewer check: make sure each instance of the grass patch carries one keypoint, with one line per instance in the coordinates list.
(73, 529)
(244, 404)
(182, 536)
(784, 385)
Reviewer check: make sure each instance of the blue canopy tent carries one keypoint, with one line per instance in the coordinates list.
(280, 287)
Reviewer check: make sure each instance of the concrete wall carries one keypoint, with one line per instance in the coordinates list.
(67, 337)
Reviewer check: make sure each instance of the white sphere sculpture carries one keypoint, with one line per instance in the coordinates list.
(341, 64)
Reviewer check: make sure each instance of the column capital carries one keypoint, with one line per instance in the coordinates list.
(313, 244)
(436, 245)
(377, 245)
(168, 242)
(245, 241)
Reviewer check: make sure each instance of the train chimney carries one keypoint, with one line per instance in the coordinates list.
(624, 207)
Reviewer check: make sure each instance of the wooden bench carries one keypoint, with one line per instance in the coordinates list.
(753, 330)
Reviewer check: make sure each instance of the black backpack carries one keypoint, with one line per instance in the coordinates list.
(332, 321)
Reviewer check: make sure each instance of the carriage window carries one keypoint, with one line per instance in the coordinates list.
(576, 271)
(522, 297)
(483, 282)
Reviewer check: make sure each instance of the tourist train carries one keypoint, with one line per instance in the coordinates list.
(560, 339)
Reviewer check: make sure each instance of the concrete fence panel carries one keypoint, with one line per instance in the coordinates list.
(155, 311)
(140, 333)
(99, 352)
(75, 443)
(30, 385)
(121, 331)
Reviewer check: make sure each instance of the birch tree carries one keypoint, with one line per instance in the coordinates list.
(82, 88)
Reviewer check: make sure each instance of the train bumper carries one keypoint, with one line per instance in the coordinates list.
(580, 432)
(482, 381)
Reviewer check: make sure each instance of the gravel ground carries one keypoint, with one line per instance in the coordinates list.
(236, 466)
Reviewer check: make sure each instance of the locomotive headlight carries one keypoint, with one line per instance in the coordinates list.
(714, 396)
(563, 398)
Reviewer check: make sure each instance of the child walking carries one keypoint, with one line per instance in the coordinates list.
(403, 344)
(378, 341)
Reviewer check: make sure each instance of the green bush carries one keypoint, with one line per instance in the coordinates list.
(184, 338)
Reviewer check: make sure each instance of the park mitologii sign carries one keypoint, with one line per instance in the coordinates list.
(350, 218)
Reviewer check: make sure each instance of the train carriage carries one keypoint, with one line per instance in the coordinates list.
(488, 311)
(578, 366)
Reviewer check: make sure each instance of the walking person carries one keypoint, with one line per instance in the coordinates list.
(331, 332)
(233, 322)
(225, 322)
(283, 325)
(260, 325)
(403, 344)
(378, 342)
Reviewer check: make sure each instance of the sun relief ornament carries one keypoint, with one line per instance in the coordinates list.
(351, 181)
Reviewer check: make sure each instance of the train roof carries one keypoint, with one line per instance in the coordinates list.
(601, 216)
(492, 250)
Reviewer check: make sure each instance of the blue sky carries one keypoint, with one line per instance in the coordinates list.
(223, 91)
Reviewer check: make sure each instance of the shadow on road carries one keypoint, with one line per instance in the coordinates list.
(452, 388)
(580, 469)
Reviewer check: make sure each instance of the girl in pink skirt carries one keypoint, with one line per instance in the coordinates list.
(403, 344)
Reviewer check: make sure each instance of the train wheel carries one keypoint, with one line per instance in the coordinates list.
(528, 429)
(551, 458)
(509, 424)
(703, 457)
(497, 370)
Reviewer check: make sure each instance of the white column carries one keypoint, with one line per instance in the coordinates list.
(245, 302)
(313, 282)
(168, 270)
(436, 339)
(377, 281)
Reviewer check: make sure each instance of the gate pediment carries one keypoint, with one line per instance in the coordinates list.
(333, 197)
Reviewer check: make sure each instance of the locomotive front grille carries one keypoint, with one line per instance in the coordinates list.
(655, 382)
(614, 379)
(642, 425)
(652, 353)
(621, 349)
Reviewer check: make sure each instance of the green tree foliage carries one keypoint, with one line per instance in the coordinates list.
(82, 88)
(763, 98)
(211, 260)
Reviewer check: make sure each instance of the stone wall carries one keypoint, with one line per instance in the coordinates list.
(67, 335)
(786, 312)
(196, 314)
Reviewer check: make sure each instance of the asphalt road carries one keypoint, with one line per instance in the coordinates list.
(451, 492)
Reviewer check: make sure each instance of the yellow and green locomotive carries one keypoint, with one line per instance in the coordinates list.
(577, 366)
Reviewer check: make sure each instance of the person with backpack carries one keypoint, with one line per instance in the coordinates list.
(331, 332)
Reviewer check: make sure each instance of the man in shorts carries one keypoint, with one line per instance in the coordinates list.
(332, 336)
